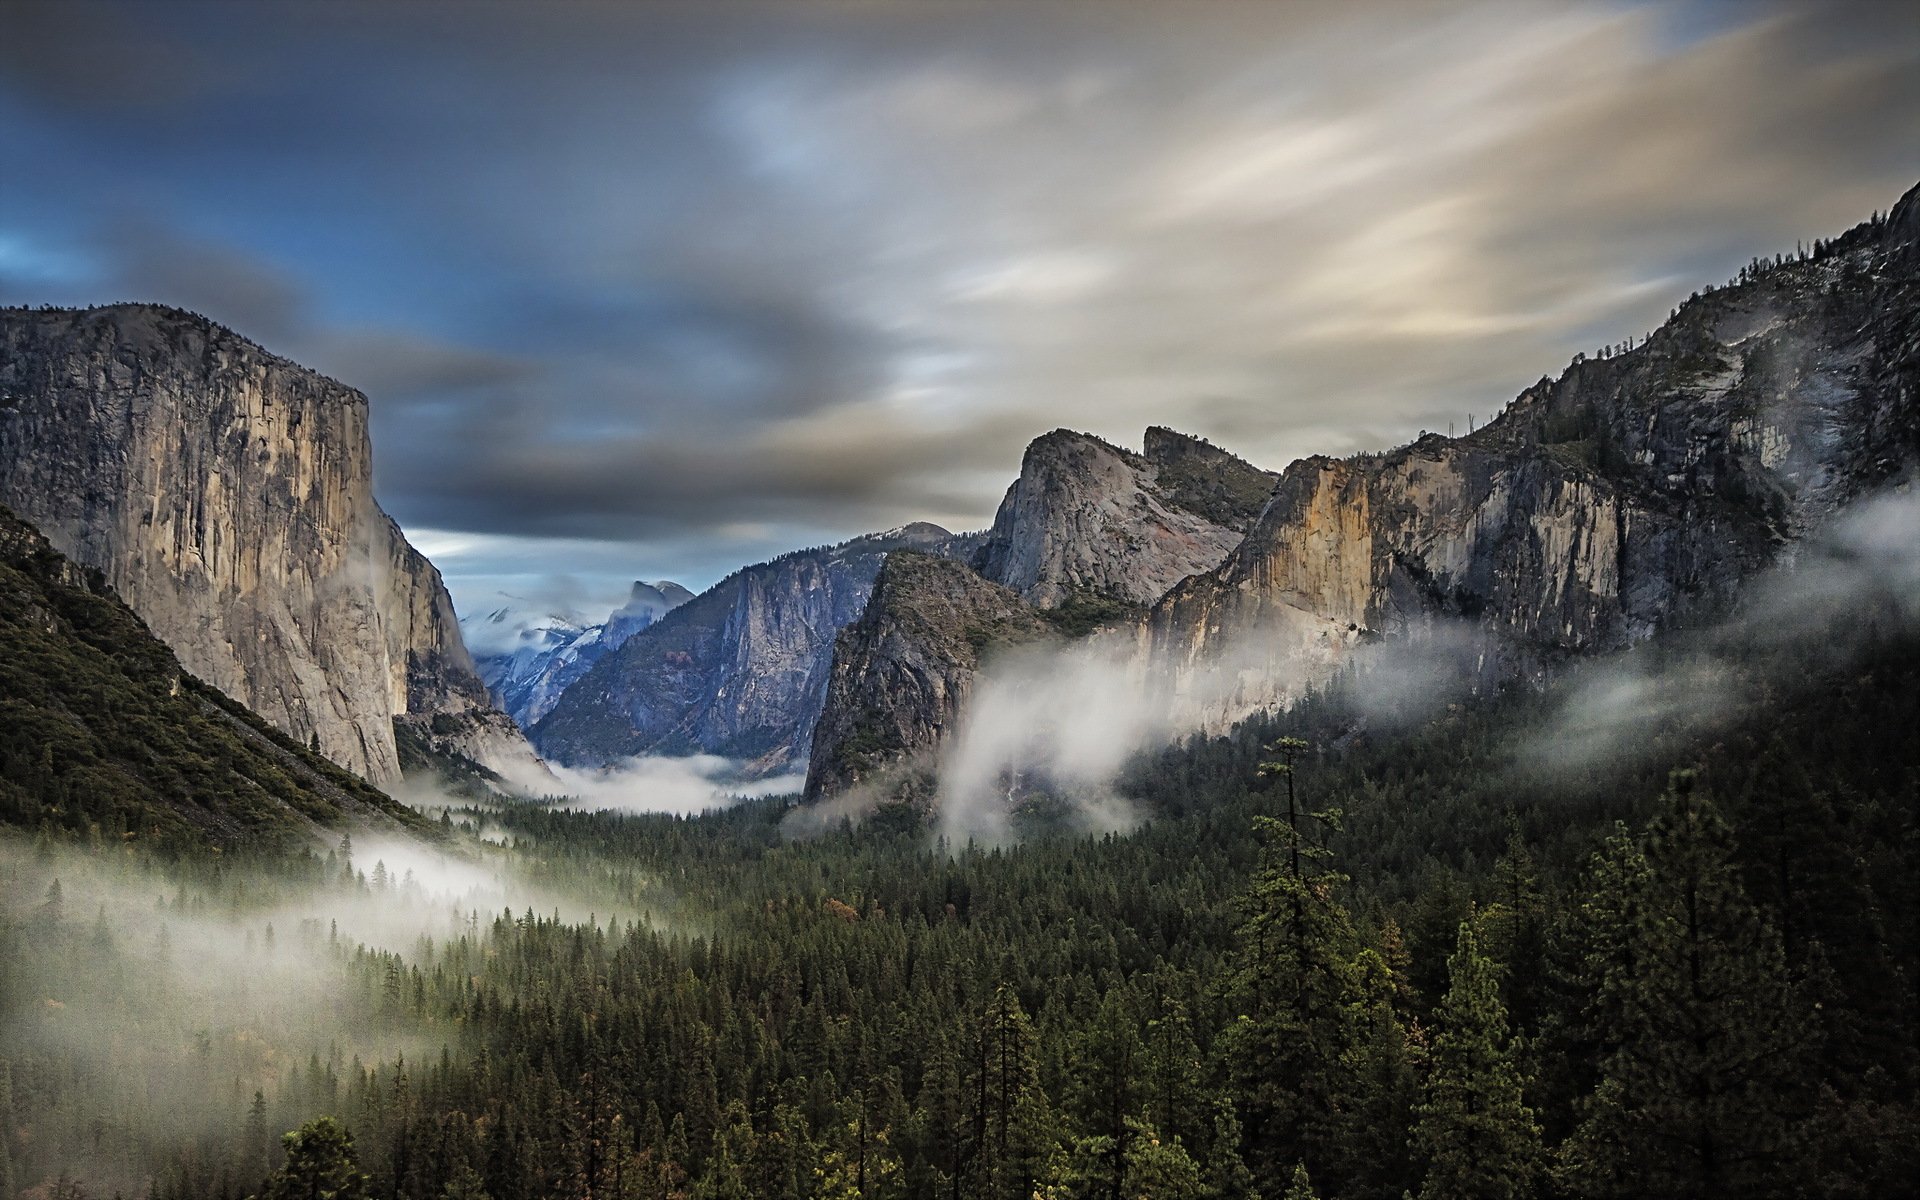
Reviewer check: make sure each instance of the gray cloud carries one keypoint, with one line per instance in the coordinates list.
(679, 282)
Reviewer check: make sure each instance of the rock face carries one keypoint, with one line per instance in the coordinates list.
(740, 670)
(1090, 520)
(527, 662)
(1636, 491)
(226, 494)
(902, 672)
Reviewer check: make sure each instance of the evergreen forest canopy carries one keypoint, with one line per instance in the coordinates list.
(1362, 950)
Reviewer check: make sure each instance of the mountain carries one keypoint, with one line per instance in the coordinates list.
(527, 661)
(906, 666)
(226, 494)
(101, 729)
(740, 670)
(1087, 520)
(1637, 491)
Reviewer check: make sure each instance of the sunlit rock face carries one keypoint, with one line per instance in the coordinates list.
(1634, 492)
(1087, 518)
(1637, 491)
(226, 494)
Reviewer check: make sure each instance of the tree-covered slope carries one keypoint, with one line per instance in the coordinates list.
(100, 728)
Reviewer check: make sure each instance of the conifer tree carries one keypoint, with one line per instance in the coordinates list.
(1474, 1131)
(1300, 1185)
(1705, 1087)
(321, 1165)
(1296, 985)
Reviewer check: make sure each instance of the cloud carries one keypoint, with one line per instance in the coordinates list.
(683, 785)
(643, 274)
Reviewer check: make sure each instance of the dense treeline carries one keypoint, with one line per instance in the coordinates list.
(1349, 956)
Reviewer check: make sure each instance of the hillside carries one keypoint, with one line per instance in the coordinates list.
(101, 730)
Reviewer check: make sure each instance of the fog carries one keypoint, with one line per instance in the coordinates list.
(160, 998)
(1841, 591)
(1049, 729)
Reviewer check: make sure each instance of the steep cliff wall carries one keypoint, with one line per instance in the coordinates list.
(1087, 519)
(1636, 491)
(740, 670)
(902, 672)
(101, 730)
(226, 494)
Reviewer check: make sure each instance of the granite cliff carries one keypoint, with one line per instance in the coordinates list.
(1088, 521)
(103, 733)
(1637, 491)
(902, 672)
(226, 494)
(740, 670)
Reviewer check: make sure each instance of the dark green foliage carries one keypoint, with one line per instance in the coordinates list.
(1707, 1085)
(865, 1014)
(321, 1165)
(1474, 1131)
(102, 733)
(1084, 611)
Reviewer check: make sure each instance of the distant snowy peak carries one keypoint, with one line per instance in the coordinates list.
(517, 624)
(527, 657)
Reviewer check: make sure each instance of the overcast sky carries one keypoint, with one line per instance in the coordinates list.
(646, 291)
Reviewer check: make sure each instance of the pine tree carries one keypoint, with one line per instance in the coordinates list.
(1297, 988)
(1706, 1087)
(321, 1165)
(1227, 1176)
(1014, 1121)
(1300, 1185)
(1474, 1130)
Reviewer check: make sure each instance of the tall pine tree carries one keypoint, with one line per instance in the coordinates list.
(1474, 1131)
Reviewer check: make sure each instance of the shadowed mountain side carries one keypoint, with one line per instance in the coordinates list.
(740, 670)
(902, 672)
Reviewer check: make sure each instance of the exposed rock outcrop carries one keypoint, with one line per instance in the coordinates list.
(1087, 519)
(226, 494)
(1637, 491)
(740, 670)
(902, 672)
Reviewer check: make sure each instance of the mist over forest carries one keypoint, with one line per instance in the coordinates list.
(990, 601)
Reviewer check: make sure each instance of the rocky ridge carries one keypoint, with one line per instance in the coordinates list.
(902, 672)
(1088, 520)
(1636, 491)
(226, 494)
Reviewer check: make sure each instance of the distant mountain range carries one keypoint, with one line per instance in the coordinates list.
(527, 657)
(225, 495)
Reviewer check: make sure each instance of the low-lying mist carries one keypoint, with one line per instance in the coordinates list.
(155, 998)
(684, 785)
(1057, 725)
(1853, 585)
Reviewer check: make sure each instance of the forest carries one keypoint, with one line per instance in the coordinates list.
(1367, 949)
